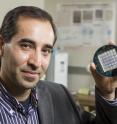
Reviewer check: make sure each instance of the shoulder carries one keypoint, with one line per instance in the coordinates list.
(49, 85)
(57, 92)
(53, 88)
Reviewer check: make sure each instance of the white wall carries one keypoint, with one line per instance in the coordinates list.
(80, 56)
(6, 5)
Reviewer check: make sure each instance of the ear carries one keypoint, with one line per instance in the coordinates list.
(1, 45)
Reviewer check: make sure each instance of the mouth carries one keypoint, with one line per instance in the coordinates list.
(30, 74)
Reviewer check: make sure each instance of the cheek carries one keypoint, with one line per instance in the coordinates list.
(19, 58)
(46, 63)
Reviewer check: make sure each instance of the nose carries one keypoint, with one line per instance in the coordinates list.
(35, 59)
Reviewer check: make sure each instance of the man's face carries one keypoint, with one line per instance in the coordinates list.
(26, 57)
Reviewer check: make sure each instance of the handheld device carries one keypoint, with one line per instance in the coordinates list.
(105, 59)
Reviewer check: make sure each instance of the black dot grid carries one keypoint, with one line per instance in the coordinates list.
(108, 60)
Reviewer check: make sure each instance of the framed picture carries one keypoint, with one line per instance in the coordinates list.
(99, 14)
(87, 16)
(76, 16)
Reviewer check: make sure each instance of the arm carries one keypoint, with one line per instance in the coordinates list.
(106, 102)
(106, 110)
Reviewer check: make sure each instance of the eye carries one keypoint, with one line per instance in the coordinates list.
(26, 45)
(47, 51)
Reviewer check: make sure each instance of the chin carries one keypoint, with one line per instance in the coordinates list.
(28, 84)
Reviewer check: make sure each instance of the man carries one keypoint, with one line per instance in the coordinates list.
(27, 37)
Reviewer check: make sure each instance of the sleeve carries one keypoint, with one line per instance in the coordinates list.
(106, 111)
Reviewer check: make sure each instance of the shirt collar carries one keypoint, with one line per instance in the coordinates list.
(13, 102)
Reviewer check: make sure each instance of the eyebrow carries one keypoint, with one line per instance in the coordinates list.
(27, 40)
(32, 42)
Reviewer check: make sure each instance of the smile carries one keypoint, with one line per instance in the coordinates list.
(30, 74)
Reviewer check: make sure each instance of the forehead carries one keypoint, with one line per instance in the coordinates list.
(35, 29)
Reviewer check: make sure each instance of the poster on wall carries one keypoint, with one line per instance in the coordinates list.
(86, 23)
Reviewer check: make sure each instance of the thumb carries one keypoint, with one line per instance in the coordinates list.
(96, 75)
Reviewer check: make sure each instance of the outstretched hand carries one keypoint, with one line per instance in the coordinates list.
(106, 85)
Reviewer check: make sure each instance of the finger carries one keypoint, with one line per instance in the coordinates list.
(111, 42)
(94, 72)
(92, 67)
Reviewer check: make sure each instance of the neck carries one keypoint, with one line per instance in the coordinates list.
(19, 93)
(22, 96)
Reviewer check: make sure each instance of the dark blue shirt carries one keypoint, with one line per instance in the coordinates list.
(13, 112)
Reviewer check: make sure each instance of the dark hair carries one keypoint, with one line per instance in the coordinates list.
(9, 25)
